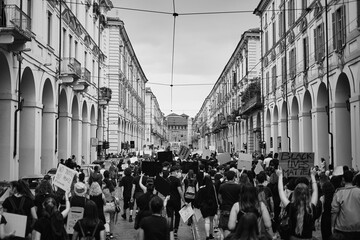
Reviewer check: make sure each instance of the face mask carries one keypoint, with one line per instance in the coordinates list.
(165, 173)
(178, 175)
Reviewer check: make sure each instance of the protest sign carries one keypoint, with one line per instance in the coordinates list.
(186, 166)
(224, 158)
(133, 159)
(147, 153)
(186, 212)
(64, 177)
(162, 186)
(184, 152)
(165, 156)
(151, 168)
(296, 164)
(245, 161)
(206, 153)
(75, 214)
(15, 222)
(258, 168)
(339, 170)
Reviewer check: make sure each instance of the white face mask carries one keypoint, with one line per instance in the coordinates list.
(178, 174)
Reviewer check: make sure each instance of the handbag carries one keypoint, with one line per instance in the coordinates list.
(117, 206)
(285, 223)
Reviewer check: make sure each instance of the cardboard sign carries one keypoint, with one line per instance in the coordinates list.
(224, 158)
(64, 177)
(245, 161)
(206, 153)
(151, 168)
(133, 159)
(258, 168)
(165, 156)
(186, 212)
(15, 222)
(75, 214)
(162, 186)
(338, 171)
(296, 164)
(184, 152)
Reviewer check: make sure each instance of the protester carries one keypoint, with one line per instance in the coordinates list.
(154, 227)
(136, 190)
(96, 195)
(90, 225)
(126, 184)
(206, 201)
(143, 202)
(110, 205)
(328, 191)
(95, 176)
(345, 209)
(51, 225)
(42, 191)
(302, 207)
(247, 228)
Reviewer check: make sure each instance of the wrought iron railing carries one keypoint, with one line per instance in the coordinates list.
(13, 17)
(70, 66)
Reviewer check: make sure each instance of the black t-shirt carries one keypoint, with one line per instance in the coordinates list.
(307, 224)
(28, 204)
(155, 228)
(229, 192)
(267, 194)
(77, 201)
(109, 184)
(43, 226)
(89, 229)
(39, 200)
(126, 182)
(175, 198)
(136, 181)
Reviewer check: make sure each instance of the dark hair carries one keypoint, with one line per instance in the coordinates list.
(156, 204)
(276, 155)
(247, 227)
(90, 211)
(303, 180)
(328, 191)
(348, 176)
(22, 187)
(261, 177)
(356, 181)
(248, 200)
(337, 236)
(96, 168)
(127, 171)
(230, 175)
(44, 188)
(336, 181)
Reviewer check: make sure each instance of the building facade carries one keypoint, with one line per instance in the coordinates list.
(52, 69)
(230, 117)
(310, 75)
(178, 127)
(127, 80)
(155, 130)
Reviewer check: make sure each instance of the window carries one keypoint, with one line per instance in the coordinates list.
(76, 50)
(267, 83)
(339, 27)
(283, 70)
(273, 9)
(274, 33)
(291, 12)
(49, 27)
(265, 19)
(319, 42)
(70, 46)
(85, 59)
(93, 70)
(64, 42)
(274, 79)
(281, 24)
(292, 67)
(29, 9)
(306, 53)
(266, 41)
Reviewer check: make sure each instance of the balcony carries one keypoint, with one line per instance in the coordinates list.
(252, 104)
(84, 81)
(15, 26)
(70, 70)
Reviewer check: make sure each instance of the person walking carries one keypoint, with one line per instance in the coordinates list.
(126, 184)
(96, 195)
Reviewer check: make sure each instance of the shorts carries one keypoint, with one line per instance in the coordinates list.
(127, 203)
(224, 219)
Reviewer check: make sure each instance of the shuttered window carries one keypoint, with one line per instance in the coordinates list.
(274, 79)
(339, 28)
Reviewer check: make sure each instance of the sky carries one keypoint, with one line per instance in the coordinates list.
(203, 44)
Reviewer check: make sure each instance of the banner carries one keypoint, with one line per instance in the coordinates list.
(64, 177)
(224, 158)
(133, 159)
(75, 214)
(296, 164)
(151, 168)
(245, 161)
(15, 222)
(258, 168)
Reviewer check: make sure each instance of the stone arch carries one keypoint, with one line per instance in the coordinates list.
(342, 121)
(93, 126)
(75, 128)
(322, 124)
(29, 151)
(267, 130)
(49, 113)
(7, 106)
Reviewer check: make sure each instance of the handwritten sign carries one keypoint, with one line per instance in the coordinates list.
(184, 152)
(296, 164)
(15, 222)
(64, 177)
(206, 153)
(245, 161)
(75, 214)
(186, 212)
(224, 158)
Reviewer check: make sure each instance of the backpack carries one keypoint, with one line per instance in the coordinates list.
(88, 235)
(190, 190)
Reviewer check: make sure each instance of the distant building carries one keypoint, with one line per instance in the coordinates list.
(178, 127)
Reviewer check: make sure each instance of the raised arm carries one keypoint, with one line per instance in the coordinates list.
(142, 186)
(315, 193)
(282, 194)
(65, 212)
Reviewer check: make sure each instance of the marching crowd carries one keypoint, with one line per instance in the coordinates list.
(236, 204)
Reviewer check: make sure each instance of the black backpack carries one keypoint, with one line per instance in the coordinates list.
(88, 235)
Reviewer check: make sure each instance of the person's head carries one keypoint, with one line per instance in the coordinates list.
(244, 179)
(247, 227)
(106, 174)
(95, 189)
(150, 185)
(90, 210)
(50, 206)
(303, 180)
(201, 167)
(44, 188)
(356, 181)
(270, 155)
(248, 198)
(233, 165)
(80, 189)
(156, 204)
(190, 173)
(348, 176)
(20, 187)
(230, 175)
(301, 199)
(127, 171)
(261, 177)
(175, 171)
(276, 155)
(96, 168)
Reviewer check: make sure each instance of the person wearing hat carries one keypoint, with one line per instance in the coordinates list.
(79, 198)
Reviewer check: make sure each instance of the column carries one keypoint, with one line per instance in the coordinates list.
(48, 158)
(320, 136)
(86, 140)
(64, 135)
(294, 133)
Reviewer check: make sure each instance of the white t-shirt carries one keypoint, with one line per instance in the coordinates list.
(267, 161)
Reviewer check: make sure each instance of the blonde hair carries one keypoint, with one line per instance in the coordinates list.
(95, 189)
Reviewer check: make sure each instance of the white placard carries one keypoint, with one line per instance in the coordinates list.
(15, 222)
(245, 161)
(133, 159)
(224, 158)
(75, 214)
(186, 212)
(64, 177)
(258, 168)
(339, 170)
(206, 153)
(212, 148)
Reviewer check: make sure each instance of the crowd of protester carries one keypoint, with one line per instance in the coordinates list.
(234, 203)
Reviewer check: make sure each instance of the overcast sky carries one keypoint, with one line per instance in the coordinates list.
(203, 45)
